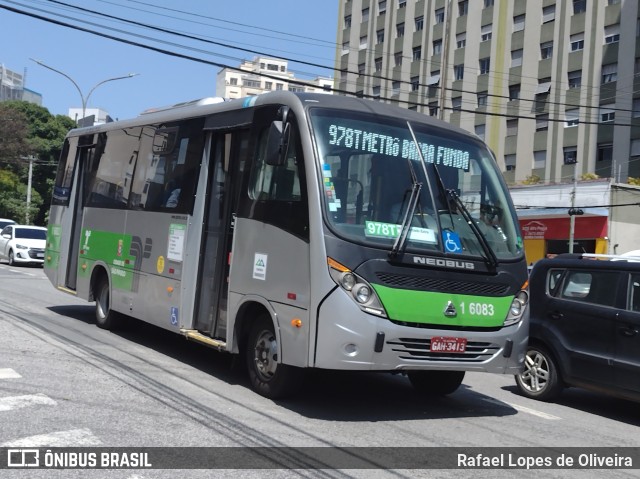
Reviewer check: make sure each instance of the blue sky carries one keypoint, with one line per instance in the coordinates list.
(295, 29)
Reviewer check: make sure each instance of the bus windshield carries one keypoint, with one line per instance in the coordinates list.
(372, 171)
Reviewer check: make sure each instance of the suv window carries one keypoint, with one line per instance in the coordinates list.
(597, 287)
(634, 293)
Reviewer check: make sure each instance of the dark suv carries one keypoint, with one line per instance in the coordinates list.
(584, 329)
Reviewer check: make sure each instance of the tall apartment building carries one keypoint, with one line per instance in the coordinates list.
(251, 80)
(552, 86)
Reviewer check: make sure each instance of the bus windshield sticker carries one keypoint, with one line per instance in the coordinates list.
(182, 154)
(175, 245)
(376, 229)
(370, 142)
(260, 266)
(451, 242)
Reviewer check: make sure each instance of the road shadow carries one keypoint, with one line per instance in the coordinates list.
(324, 394)
(600, 404)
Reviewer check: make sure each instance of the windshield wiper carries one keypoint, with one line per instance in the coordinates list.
(490, 256)
(401, 239)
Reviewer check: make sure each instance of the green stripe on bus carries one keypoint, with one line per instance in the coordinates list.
(111, 248)
(428, 307)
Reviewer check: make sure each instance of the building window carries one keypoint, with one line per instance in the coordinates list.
(613, 2)
(539, 159)
(484, 64)
(400, 30)
(571, 117)
(510, 162)
(361, 68)
(365, 14)
(363, 42)
(570, 155)
(609, 73)
(577, 42)
(345, 48)
(482, 98)
(439, 15)
(402, 3)
(461, 40)
(395, 87)
(417, 53)
(488, 3)
(542, 122)
(575, 78)
(549, 14)
(514, 92)
(378, 64)
(605, 152)
(419, 22)
(437, 47)
(279, 86)
(463, 8)
(485, 32)
(546, 50)
(579, 6)
(415, 83)
(456, 103)
(480, 131)
(607, 112)
(458, 71)
(433, 108)
(347, 21)
(268, 85)
(612, 33)
(636, 66)
(380, 36)
(544, 85)
(382, 7)
(233, 81)
(397, 57)
(516, 58)
(636, 108)
(375, 91)
(512, 127)
(518, 23)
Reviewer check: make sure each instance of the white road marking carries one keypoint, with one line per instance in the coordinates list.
(8, 373)
(71, 438)
(517, 407)
(18, 402)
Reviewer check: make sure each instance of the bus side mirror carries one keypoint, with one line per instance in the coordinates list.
(277, 143)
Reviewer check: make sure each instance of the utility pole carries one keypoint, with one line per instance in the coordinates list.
(573, 211)
(31, 160)
(444, 64)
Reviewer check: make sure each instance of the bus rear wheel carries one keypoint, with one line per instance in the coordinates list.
(106, 318)
(437, 383)
(269, 377)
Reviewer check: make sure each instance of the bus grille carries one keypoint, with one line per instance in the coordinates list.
(418, 350)
(443, 285)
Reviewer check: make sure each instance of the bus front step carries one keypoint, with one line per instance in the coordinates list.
(194, 335)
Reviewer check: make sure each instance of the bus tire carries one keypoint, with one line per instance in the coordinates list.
(106, 318)
(267, 375)
(541, 378)
(438, 383)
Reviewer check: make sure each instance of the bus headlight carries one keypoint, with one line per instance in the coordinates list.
(518, 307)
(359, 290)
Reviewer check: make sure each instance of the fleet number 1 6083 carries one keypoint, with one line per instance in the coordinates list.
(477, 309)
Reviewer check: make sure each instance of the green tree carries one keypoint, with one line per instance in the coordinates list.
(41, 137)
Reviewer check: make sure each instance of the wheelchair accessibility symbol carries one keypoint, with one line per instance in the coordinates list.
(174, 316)
(451, 242)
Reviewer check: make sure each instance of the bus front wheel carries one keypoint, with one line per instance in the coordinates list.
(436, 382)
(268, 376)
(106, 318)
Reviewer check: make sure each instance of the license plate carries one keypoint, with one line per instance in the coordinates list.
(441, 344)
(40, 255)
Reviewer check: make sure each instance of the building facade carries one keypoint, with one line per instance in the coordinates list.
(552, 86)
(263, 74)
(12, 87)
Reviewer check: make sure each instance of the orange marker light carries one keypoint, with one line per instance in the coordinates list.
(169, 289)
(296, 322)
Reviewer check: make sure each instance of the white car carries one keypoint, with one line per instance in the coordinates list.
(23, 244)
(6, 222)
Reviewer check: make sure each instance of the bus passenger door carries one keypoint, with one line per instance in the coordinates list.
(213, 274)
(86, 154)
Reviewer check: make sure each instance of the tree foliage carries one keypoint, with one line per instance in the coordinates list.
(28, 131)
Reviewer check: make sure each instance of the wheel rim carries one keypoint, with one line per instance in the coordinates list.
(265, 355)
(103, 302)
(535, 377)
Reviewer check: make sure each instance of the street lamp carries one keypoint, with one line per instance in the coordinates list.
(85, 100)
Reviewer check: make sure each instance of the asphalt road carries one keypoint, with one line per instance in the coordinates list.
(66, 383)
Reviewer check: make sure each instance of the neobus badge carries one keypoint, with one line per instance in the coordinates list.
(444, 263)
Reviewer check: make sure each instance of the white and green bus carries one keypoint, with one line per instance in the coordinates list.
(299, 231)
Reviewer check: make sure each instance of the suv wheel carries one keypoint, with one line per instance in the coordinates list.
(541, 377)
